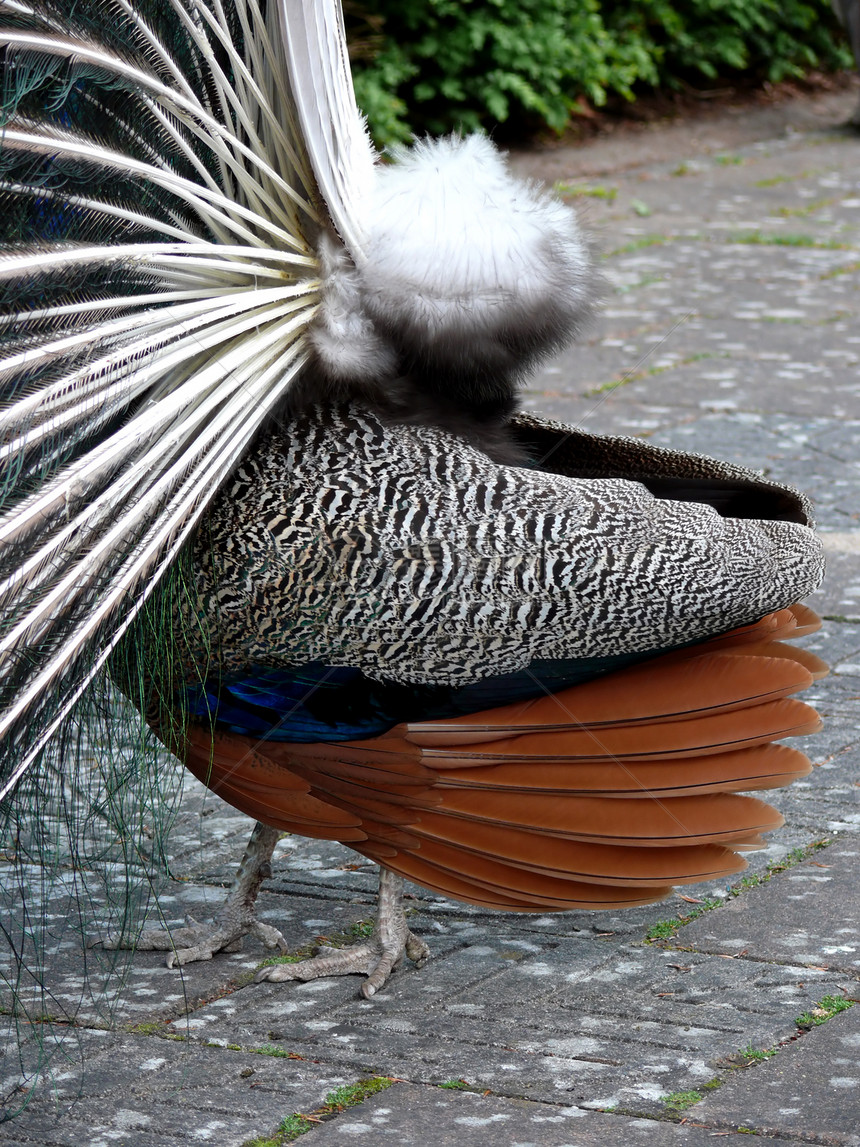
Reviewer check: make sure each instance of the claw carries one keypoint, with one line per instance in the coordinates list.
(375, 958)
(235, 920)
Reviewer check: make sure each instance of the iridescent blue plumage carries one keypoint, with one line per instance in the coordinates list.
(324, 703)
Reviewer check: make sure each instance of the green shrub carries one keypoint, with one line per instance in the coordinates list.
(436, 65)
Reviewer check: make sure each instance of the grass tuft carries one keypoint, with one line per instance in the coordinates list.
(826, 1008)
(336, 1101)
(665, 929)
(763, 239)
(582, 191)
(758, 1054)
(681, 1100)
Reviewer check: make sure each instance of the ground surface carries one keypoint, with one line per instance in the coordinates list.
(732, 326)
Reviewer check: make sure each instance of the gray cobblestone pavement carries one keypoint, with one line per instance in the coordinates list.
(732, 326)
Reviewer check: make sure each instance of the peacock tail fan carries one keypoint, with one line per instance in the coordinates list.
(161, 183)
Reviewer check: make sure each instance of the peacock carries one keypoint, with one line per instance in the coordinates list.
(269, 503)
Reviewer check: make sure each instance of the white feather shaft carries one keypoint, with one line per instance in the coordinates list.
(285, 155)
(115, 303)
(242, 77)
(85, 474)
(143, 561)
(143, 254)
(203, 423)
(82, 583)
(98, 403)
(166, 317)
(219, 213)
(228, 423)
(223, 142)
(313, 40)
(100, 207)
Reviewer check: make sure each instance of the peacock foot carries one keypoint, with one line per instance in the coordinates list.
(201, 941)
(374, 958)
(235, 920)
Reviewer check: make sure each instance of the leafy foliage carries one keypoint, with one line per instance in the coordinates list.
(435, 65)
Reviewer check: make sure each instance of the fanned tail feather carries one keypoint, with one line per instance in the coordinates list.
(155, 285)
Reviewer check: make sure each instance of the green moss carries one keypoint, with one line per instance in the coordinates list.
(775, 180)
(157, 1027)
(355, 1093)
(294, 1126)
(729, 160)
(845, 269)
(665, 929)
(792, 858)
(808, 209)
(455, 1085)
(292, 958)
(645, 281)
(275, 1052)
(647, 372)
(360, 930)
(290, 1129)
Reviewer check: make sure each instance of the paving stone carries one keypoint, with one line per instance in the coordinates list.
(145, 1091)
(564, 1018)
(134, 989)
(807, 915)
(809, 1088)
(418, 1116)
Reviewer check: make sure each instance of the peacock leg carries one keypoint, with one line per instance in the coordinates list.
(235, 920)
(375, 957)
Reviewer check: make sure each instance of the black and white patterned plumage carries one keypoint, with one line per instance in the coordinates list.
(404, 552)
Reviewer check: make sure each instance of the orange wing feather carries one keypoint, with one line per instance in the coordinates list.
(605, 794)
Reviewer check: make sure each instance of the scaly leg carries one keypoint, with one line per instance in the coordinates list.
(235, 919)
(376, 958)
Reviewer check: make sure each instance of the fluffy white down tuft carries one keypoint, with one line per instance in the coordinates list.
(468, 269)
